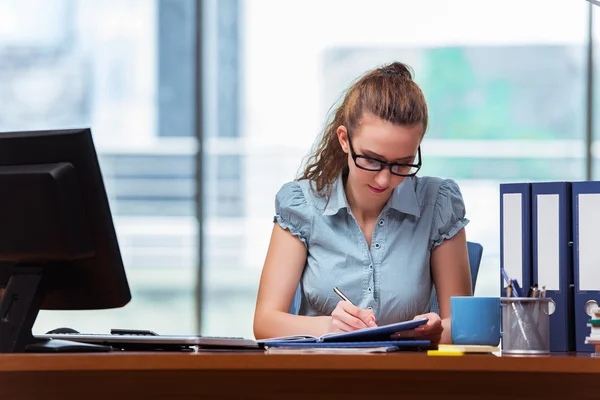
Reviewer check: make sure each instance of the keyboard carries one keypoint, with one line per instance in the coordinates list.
(143, 338)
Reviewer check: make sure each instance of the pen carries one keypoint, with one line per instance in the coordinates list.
(533, 290)
(505, 275)
(342, 295)
(516, 288)
(536, 308)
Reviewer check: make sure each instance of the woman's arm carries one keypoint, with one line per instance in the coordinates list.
(281, 273)
(451, 276)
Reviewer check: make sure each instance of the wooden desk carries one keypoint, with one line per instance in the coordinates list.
(305, 377)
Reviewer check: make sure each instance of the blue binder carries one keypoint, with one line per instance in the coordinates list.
(586, 256)
(552, 257)
(515, 233)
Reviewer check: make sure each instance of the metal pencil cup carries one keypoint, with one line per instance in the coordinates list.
(526, 325)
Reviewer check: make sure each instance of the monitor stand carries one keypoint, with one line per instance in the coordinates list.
(19, 307)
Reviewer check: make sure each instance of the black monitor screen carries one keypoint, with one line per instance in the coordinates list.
(56, 223)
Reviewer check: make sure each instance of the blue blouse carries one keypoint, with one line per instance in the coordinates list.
(393, 276)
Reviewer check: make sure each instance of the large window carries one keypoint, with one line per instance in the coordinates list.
(127, 69)
(505, 82)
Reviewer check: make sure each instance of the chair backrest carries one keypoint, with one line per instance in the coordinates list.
(295, 308)
(475, 251)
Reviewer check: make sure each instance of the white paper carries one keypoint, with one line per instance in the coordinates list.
(512, 236)
(329, 350)
(589, 247)
(548, 241)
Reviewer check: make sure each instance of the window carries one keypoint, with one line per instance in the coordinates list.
(505, 82)
(127, 69)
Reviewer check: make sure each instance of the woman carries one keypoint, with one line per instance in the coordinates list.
(361, 220)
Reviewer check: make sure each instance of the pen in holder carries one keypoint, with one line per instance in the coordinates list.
(526, 325)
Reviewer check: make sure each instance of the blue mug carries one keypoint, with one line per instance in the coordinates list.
(476, 320)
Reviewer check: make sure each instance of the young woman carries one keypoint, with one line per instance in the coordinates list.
(361, 220)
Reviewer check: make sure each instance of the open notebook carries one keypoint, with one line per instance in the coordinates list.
(347, 347)
(376, 334)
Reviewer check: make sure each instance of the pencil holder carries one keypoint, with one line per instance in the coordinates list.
(526, 325)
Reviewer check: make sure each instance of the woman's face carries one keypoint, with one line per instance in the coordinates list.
(379, 141)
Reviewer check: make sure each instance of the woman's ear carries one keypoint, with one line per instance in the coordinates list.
(342, 134)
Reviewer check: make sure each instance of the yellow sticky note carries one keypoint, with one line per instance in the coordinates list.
(468, 348)
(444, 353)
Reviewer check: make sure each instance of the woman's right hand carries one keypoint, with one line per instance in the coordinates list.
(346, 317)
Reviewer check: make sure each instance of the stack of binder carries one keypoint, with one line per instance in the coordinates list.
(548, 234)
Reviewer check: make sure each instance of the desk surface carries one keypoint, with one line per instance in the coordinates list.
(297, 376)
(556, 363)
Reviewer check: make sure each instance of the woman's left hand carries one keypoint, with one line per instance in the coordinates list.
(431, 331)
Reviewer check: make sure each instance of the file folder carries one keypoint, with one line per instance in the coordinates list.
(552, 257)
(515, 233)
(586, 257)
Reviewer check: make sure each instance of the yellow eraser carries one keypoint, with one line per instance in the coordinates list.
(444, 353)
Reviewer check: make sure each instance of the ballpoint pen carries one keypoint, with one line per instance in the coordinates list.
(516, 290)
(342, 295)
(533, 290)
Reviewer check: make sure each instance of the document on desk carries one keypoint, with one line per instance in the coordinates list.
(375, 334)
(360, 347)
(331, 350)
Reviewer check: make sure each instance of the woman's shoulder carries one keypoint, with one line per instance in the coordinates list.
(445, 199)
(301, 193)
(430, 188)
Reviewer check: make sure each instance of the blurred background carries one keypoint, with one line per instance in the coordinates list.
(201, 110)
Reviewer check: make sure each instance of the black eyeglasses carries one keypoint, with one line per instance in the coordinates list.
(372, 164)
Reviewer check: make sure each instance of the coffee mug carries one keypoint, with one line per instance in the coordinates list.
(475, 320)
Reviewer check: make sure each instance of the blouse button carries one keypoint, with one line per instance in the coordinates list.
(371, 266)
(381, 222)
(377, 245)
(369, 308)
(370, 289)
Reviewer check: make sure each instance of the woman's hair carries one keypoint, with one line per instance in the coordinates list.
(389, 93)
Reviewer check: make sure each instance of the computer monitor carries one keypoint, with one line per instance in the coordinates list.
(58, 247)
